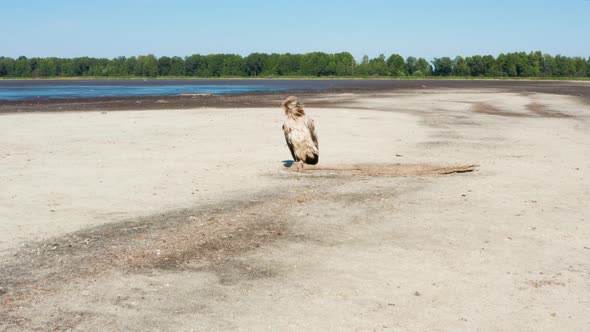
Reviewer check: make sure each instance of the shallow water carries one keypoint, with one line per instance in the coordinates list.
(95, 91)
(11, 90)
(14, 90)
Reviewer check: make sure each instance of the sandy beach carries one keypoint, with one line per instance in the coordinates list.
(185, 218)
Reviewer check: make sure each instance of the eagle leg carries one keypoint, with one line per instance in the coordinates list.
(299, 166)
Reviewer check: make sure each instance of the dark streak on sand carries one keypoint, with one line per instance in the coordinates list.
(208, 238)
(535, 110)
(543, 111)
(304, 88)
(488, 109)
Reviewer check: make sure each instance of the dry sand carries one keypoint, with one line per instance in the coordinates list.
(184, 220)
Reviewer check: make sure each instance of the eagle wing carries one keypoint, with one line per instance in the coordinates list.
(310, 125)
(287, 131)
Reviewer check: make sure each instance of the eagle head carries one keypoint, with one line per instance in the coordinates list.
(292, 105)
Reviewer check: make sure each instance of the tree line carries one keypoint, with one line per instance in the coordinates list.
(316, 64)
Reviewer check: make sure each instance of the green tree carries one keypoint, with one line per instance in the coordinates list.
(287, 64)
(177, 66)
(442, 66)
(476, 65)
(82, 66)
(489, 62)
(34, 67)
(564, 66)
(59, 66)
(580, 67)
(549, 66)
(423, 68)
(331, 67)
(22, 67)
(46, 67)
(164, 66)
(117, 67)
(7, 67)
(460, 67)
(411, 65)
(255, 64)
(315, 64)
(363, 68)
(378, 66)
(523, 68)
(233, 65)
(271, 63)
(345, 64)
(130, 64)
(196, 65)
(510, 65)
(67, 68)
(98, 67)
(215, 64)
(535, 63)
(146, 65)
(397, 65)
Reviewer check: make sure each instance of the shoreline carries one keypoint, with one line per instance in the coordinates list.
(272, 99)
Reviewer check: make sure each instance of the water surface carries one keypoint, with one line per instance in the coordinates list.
(11, 90)
(59, 90)
(15, 90)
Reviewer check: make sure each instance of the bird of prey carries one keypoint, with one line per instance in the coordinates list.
(300, 133)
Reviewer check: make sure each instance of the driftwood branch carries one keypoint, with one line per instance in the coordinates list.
(399, 170)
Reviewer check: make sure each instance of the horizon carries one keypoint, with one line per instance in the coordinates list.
(67, 29)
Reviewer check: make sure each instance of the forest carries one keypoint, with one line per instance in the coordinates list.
(315, 64)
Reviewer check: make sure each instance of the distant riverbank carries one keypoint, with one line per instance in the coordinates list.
(289, 78)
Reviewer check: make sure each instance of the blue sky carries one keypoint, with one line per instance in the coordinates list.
(427, 28)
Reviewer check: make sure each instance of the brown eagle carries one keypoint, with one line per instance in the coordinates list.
(300, 133)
